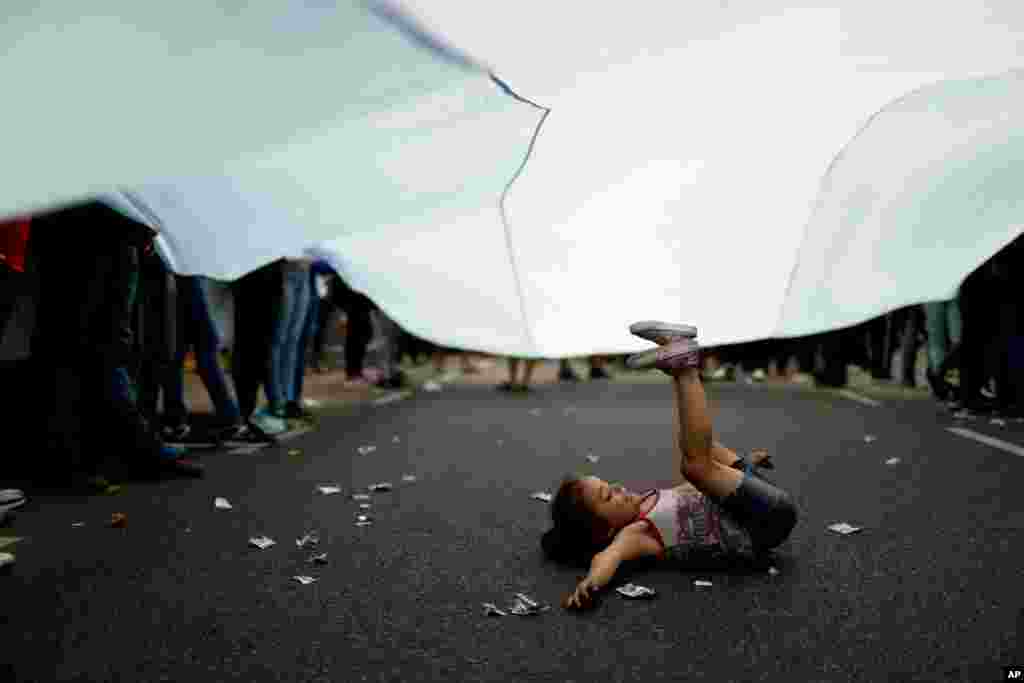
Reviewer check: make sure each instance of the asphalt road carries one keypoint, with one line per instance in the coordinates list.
(930, 590)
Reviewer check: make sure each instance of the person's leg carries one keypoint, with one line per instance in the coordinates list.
(324, 312)
(246, 366)
(308, 333)
(358, 336)
(286, 338)
(935, 326)
(207, 346)
(531, 364)
(513, 370)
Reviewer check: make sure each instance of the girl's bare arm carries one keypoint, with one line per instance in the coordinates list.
(630, 544)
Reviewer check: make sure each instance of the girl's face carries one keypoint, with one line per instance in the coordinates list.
(614, 504)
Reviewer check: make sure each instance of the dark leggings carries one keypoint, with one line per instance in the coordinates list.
(258, 298)
(763, 509)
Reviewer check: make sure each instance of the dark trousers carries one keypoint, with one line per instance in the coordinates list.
(9, 290)
(360, 327)
(258, 300)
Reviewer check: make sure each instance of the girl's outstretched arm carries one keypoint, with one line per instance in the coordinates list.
(631, 543)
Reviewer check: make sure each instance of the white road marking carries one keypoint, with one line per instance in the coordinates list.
(294, 433)
(247, 450)
(988, 440)
(853, 396)
(391, 398)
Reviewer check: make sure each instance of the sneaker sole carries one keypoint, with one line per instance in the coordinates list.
(649, 359)
(652, 330)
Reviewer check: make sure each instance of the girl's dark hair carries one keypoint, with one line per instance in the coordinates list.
(577, 534)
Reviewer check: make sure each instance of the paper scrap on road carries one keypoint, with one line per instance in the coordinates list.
(541, 495)
(432, 386)
(870, 438)
(360, 496)
(844, 528)
(593, 458)
(491, 609)
(893, 461)
(118, 520)
(408, 478)
(773, 571)
(702, 584)
(535, 412)
(310, 538)
(634, 591)
(367, 523)
(262, 542)
(295, 452)
(328, 489)
(75, 525)
(364, 506)
(997, 421)
(395, 439)
(366, 450)
(525, 606)
(383, 486)
(221, 504)
(318, 559)
(305, 580)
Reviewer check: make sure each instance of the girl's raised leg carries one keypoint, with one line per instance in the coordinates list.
(694, 442)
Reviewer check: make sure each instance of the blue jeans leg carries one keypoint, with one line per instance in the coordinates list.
(296, 299)
(308, 333)
(208, 342)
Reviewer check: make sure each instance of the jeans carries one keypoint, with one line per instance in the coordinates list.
(197, 327)
(310, 324)
(945, 329)
(284, 354)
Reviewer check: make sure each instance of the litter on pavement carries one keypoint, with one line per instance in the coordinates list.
(383, 486)
(310, 538)
(633, 591)
(360, 496)
(893, 461)
(304, 580)
(294, 452)
(262, 542)
(593, 458)
(328, 489)
(491, 609)
(319, 559)
(366, 450)
(844, 528)
(8, 540)
(408, 478)
(525, 606)
(870, 438)
(363, 518)
(395, 439)
(535, 412)
(75, 525)
(366, 523)
(997, 421)
(773, 571)
(432, 386)
(540, 495)
(364, 506)
(702, 584)
(221, 504)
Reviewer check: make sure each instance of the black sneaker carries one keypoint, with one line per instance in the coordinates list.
(244, 435)
(599, 373)
(567, 376)
(183, 435)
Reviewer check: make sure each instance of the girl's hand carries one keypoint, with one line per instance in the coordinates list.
(582, 597)
(760, 458)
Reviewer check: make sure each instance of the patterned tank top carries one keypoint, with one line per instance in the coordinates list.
(692, 529)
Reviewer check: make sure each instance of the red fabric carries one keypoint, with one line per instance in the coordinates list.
(14, 242)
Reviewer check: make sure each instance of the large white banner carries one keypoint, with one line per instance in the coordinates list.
(755, 169)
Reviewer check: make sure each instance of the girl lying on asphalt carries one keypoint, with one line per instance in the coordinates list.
(726, 510)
